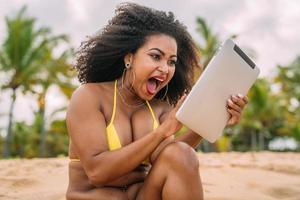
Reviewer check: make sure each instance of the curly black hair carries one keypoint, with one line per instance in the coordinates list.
(101, 57)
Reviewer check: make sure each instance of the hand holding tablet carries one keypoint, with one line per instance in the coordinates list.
(229, 72)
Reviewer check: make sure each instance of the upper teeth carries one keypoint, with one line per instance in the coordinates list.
(159, 79)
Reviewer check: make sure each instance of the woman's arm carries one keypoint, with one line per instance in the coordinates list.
(87, 128)
(141, 128)
(136, 176)
(189, 137)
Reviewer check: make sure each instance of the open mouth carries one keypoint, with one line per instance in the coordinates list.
(153, 84)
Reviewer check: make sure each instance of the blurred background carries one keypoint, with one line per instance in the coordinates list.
(38, 40)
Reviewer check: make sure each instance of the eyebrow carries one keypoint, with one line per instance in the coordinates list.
(163, 53)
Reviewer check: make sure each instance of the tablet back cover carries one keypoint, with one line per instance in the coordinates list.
(229, 72)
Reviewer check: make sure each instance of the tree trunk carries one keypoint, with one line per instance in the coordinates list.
(261, 142)
(253, 141)
(42, 130)
(9, 136)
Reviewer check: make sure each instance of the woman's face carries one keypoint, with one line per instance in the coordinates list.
(153, 65)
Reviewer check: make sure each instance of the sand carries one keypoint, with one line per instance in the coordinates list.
(225, 176)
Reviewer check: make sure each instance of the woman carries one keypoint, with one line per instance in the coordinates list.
(121, 120)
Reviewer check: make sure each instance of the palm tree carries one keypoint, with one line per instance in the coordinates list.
(58, 73)
(210, 39)
(23, 55)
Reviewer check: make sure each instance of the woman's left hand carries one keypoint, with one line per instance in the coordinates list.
(235, 106)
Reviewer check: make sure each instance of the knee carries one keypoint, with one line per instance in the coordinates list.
(71, 196)
(180, 155)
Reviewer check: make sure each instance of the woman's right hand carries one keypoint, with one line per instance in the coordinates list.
(171, 125)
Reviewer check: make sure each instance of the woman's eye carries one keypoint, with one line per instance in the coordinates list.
(155, 56)
(172, 62)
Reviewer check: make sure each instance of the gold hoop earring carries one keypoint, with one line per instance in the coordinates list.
(124, 71)
(167, 87)
(132, 81)
(127, 66)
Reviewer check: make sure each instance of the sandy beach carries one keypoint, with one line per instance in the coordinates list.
(225, 176)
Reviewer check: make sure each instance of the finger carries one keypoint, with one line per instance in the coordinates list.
(238, 101)
(180, 101)
(233, 106)
(234, 114)
(245, 98)
(182, 98)
(231, 121)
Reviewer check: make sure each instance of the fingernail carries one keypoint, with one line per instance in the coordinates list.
(240, 95)
(234, 98)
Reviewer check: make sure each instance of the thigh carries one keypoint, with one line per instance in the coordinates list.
(153, 184)
(133, 190)
(103, 193)
(175, 159)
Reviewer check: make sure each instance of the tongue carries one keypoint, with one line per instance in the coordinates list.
(151, 86)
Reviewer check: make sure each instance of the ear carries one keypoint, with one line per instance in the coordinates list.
(128, 58)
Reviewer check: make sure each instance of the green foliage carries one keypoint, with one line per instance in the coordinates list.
(25, 49)
(211, 41)
(57, 139)
(181, 131)
(270, 113)
(26, 139)
(288, 79)
(27, 57)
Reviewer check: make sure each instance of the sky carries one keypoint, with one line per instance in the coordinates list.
(268, 27)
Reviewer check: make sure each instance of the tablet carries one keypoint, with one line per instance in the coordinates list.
(229, 72)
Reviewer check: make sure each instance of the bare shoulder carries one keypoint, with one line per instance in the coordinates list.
(90, 90)
(84, 117)
(90, 94)
(87, 99)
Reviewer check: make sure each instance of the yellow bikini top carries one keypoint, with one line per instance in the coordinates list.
(112, 136)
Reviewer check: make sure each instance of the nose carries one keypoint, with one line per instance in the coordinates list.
(164, 68)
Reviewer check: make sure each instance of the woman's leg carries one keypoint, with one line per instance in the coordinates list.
(174, 175)
(104, 193)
